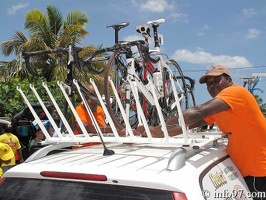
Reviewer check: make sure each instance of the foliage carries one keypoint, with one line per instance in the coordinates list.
(47, 31)
(11, 101)
(261, 104)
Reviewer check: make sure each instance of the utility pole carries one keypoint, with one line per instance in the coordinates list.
(253, 81)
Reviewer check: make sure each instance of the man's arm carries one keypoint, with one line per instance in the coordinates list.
(199, 112)
(193, 117)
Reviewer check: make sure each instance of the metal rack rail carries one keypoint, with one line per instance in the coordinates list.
(185, 140)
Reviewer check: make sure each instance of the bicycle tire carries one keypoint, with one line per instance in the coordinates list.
(116, 69)
(190, 91)
(182, 92)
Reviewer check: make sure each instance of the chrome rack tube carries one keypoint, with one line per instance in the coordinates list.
(57, 130)
(36, 117)
(180, 113)
(107, 115)
(62, 117)
(140, 111)
(159, 110)
(94, 121)
(73, 110)
(128, 127)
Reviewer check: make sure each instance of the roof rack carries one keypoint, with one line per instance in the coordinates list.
(186, 140)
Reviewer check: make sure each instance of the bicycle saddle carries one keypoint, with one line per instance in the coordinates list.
(118, 26)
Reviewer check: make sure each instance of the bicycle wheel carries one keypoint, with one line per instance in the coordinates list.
(169, 104)
(117, 71)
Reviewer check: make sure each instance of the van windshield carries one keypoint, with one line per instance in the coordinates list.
(41, 189)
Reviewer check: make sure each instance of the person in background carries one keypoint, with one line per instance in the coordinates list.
(46, 122)
(38, 138)
(8, 138)
(98, 113)
(58, 122)
(6, 155)
(237, 114)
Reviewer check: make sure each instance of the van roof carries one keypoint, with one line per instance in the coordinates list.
(127, 166)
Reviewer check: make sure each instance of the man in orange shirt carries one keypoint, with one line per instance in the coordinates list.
(98, 113)
(236, 112)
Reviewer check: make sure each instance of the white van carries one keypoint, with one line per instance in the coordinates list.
(131, 171)
(191, 166)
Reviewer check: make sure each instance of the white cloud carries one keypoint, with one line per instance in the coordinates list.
(200, 48)
(13, 10)
(201, 33)
(157, 6)
(253, 33)
(204, 28)
(206, 58)
(249, 12)
(179, 16)
(161, 6)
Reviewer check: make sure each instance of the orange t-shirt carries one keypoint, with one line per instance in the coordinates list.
(84, 116)
(247, 125)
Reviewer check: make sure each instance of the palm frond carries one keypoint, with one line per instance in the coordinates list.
(14, 45)
(76, 17)
(37, 24)
(55, 19)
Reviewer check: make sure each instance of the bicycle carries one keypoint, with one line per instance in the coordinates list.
(139, 66)
(73, 59)
(186, 81)
(74, 62)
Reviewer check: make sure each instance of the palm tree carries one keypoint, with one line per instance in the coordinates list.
(47, 31)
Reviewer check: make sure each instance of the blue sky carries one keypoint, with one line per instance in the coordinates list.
(196, 34)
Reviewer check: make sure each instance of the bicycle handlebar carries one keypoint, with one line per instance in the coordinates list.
(142, 46)
(79, 62)
(36, 53)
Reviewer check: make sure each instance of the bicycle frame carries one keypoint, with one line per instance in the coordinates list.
(133, 85)
(161, 64)
(147, 70)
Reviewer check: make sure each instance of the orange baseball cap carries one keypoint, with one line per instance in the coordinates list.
(214, 71)
(6, 152)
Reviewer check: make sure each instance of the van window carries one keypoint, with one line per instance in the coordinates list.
(41, 189)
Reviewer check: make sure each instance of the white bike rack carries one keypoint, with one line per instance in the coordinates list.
(187, 140)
